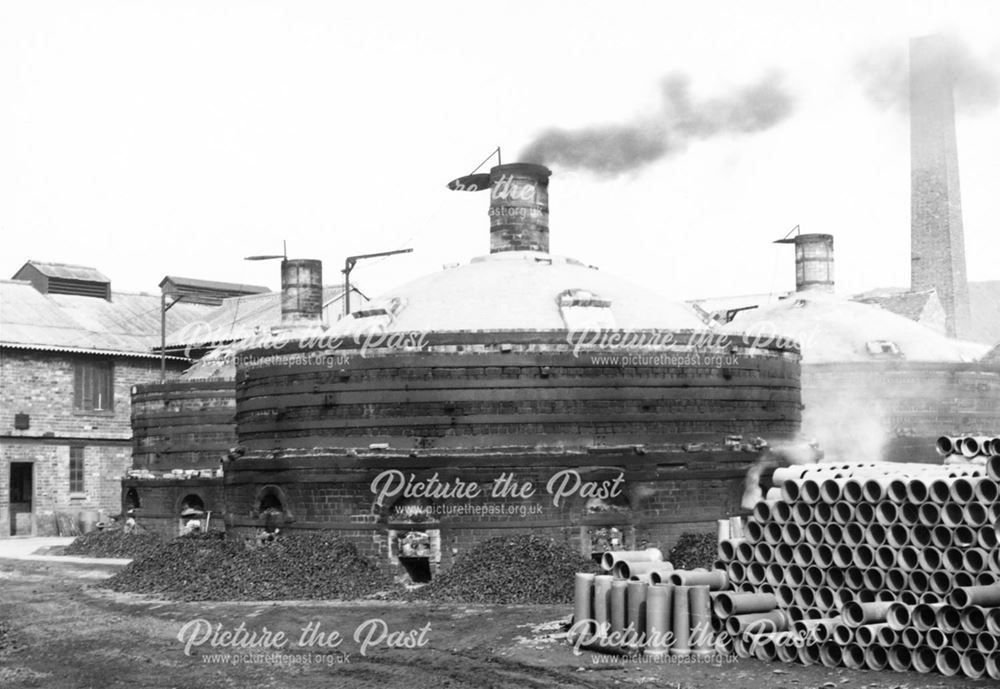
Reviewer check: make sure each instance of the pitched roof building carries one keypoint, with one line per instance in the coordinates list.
(71, 350)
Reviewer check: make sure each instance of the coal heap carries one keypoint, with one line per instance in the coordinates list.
(115, 543)
(694, 550)
(294, 566)
(520, 569)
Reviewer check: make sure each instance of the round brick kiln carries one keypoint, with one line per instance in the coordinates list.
(876, 385)
(181, 430)
(520, 392)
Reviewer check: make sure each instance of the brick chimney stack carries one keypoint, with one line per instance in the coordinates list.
(937, 243)
(519, 208)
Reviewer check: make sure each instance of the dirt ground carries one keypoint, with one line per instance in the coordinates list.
(57, 630)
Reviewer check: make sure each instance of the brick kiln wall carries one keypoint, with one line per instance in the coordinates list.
(658, 501)
(160, 502)
(183, 424)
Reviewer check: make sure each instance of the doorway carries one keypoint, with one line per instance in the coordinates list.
(22, 491)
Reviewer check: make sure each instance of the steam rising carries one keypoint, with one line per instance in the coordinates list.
(852, 421)
(784, 454)
(885, 76)
(617, 148)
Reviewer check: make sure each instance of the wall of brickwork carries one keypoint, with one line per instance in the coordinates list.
(104, 465)
(661, 496)
(183, 424)
(40, 384)
(520, 389)
(160, 502)
(896, 409)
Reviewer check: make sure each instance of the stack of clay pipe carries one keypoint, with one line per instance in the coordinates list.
(873, 565)
(970, 447)
(642, 604)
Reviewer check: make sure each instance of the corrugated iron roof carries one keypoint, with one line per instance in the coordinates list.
(984, 304)
(128, 324)
(196, 283)
(903, 302)
(66, 271)
(241, 317)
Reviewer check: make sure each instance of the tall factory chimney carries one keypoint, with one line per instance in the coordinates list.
(937, 243)
(813, 261)
(301, 291)
(519, 208)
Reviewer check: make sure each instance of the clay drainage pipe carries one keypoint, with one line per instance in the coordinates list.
(898, 616)
(727, 603)
(609, 558)
(682, 622)
(947, 445)
(659, 600)
(948, 662)
(923, 617)
(886, 637)
(829, 491)
(618, 607)
(916, 491)
(583, 591)
(924, 659)
(702, 635)
(635, 597)
(716, 580)
(662, 576)
(602, 603)
(896, 491)
(727, 548)
(623, 569)
(973, 664)
(962, 490)
(857, 614)
(986, 596)
(830, 654)
(762, 622)
(900, 658)
(852, 491)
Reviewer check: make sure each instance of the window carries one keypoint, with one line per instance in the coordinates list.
(883, 348)
(76, 470)
(93, 386)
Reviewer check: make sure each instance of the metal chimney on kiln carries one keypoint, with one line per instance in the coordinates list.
(301, 291)
(813, 261)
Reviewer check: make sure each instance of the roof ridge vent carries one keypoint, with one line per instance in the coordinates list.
(65, 278)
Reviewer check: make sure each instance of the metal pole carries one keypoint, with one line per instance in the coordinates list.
(163, 337)
(348, 264)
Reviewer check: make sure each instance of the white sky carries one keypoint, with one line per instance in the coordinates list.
(175, 137)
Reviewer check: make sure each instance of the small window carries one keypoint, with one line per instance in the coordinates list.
(883, 348)
(93, 386)
(76, 470)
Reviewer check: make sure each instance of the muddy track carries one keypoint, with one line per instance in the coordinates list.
(461, 669)
(59, 632)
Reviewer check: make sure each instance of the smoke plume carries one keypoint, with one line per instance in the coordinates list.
(617, 148)
(885, 77)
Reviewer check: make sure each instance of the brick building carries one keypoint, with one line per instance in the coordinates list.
(71, 350)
